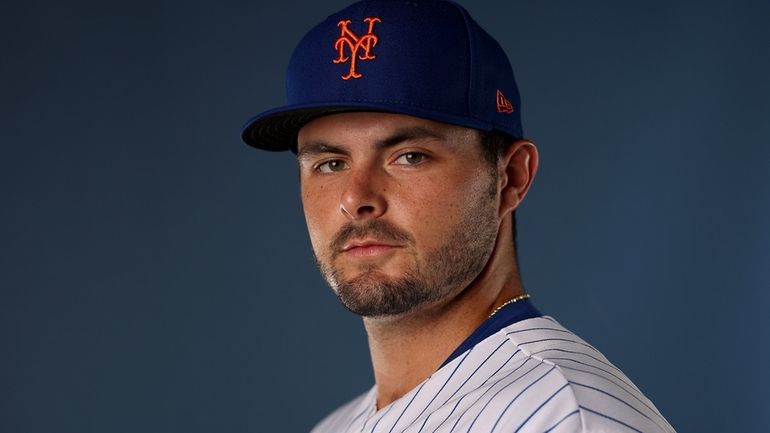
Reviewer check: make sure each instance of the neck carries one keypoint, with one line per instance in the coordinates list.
(407, 349)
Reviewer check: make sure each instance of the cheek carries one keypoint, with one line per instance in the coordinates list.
(319, 217)
(436, 205)
(432, 206)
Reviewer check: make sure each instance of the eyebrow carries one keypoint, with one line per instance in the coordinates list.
(399, 136)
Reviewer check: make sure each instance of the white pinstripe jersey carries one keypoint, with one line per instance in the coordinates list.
(531, 376)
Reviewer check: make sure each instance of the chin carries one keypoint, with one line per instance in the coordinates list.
(375, 294)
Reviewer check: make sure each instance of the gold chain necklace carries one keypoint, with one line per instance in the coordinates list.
(509, 302)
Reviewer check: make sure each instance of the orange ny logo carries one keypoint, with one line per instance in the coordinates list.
(355, 43)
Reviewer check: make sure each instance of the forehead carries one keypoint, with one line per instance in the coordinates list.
(365, 128)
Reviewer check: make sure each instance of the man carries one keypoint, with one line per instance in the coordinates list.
(404, 116)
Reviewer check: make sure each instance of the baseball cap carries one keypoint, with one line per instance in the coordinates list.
(425, 58)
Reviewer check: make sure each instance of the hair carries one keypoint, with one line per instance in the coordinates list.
(493, 145)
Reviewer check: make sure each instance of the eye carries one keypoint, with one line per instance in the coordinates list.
(411, 158)
(331, 166)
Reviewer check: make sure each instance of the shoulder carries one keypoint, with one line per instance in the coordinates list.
(346, 415)
(595, 395)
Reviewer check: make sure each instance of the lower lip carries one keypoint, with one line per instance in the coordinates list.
(370, 251)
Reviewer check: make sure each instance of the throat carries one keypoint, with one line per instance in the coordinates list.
(407, 351)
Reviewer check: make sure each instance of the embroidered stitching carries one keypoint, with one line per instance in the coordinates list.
(503, 104)
(355, 43)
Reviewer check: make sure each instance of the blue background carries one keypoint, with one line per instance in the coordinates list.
(156, 272)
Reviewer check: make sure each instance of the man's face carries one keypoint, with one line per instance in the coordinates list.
(402, 212)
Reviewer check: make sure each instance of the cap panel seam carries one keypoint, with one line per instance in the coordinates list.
(471, 58)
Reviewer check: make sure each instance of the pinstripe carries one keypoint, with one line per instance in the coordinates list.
(538, 329)
(497, 421)
(506, 386)
(617, 385)
(539, 407)
(559, 339)
(601, 361)
(425, 421)
(480, 365)
(610, 418)
(343, 419)
(628, 384)
(392, 405)
(445, 419)
(351, 423)
(558, 423)
(535, 411)
(366, 408)
(441, 389)
(406, 407)
(619, 400)
(483, 383)
(493, 386)
(455, 424)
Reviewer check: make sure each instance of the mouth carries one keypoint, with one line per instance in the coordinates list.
(367, 248)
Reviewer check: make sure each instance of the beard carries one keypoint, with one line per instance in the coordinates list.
(435, 276)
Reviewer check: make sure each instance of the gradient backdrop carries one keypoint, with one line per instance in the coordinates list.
(156, 272)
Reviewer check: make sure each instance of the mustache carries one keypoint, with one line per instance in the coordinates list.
(376, 229)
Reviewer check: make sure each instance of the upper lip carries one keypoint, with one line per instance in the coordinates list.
(359, 243)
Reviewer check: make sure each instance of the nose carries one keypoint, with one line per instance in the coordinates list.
(363, 196)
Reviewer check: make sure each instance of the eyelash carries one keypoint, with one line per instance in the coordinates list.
(319, 166)
(423, 157)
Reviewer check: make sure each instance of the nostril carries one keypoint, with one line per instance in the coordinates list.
(367, 209)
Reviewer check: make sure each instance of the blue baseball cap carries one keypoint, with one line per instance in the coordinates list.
(424, 58)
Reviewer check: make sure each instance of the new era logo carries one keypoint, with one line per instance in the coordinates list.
(355, 43)
(503, 104)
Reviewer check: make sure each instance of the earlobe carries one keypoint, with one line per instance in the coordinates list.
(517, 169)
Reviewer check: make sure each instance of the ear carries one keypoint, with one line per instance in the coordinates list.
(516, 168)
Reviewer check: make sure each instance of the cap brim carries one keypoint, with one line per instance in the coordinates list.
(277, 129)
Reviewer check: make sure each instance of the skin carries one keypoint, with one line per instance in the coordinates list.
(424, 179)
